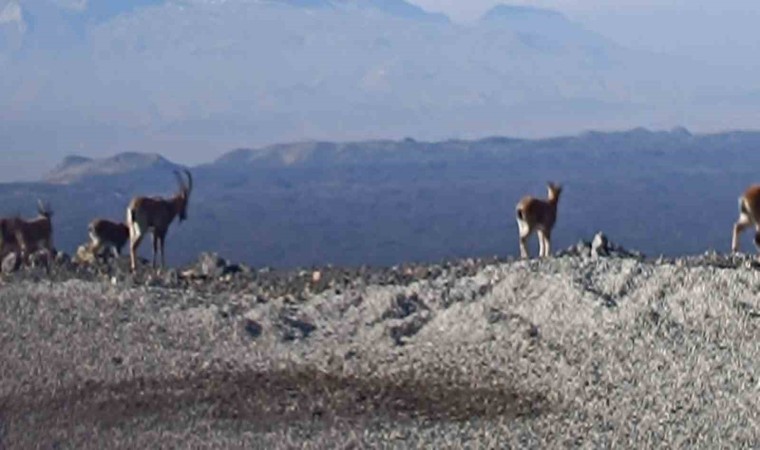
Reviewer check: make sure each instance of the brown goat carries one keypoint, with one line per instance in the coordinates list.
(105, 233)
(33, 234)
(8, 242)
(154, 215)
(540, 216)
(749, 214)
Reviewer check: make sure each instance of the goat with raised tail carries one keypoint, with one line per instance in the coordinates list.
(540, 216)
(749, 214)
(154, 215)
(107, 234)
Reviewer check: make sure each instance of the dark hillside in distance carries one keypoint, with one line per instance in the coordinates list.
(385, 202)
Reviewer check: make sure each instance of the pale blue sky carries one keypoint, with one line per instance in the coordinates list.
(725, 33)
(194, 81)
(470, 9)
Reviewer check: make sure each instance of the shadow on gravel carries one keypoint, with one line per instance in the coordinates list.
(266, 400)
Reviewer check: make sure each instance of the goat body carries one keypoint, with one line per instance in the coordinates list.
(108, 234)
(32, 235)
(537, 215)
(154, 215)
(749, 214)
(8, 242)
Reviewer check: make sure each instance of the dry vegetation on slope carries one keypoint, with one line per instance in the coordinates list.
(572, 351)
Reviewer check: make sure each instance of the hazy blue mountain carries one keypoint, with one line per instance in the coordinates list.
(74, 169)
(44, 25)
(193, 77)
(383, 202)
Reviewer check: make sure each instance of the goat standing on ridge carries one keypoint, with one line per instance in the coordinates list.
(749, 214)
(32, 235)
(540, 216)
(154, 215)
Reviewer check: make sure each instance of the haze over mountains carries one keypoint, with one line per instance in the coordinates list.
(192, 78)
(386, 202)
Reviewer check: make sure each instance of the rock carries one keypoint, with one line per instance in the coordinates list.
(171, 277)
(583, 248)
(84, 255)
(293, 326)
(62, 258)
(400, 330)
(599, 246)
(233, 269)
(211, 265)
(252, 327)
(404, 306)
(11, 263)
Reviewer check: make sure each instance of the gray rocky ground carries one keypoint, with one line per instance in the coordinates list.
(594, 348)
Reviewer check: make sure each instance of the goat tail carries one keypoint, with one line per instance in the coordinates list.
(743, 208)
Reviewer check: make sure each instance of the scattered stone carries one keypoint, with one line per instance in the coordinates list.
(11, 263)
(253, 328)
(84, 255)
(404, 306)
(171, 277)
(62, 258)
(599, 245)
(294, 326)
(211, 265)
(401, 330)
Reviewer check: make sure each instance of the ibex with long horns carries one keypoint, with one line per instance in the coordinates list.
(154, 215)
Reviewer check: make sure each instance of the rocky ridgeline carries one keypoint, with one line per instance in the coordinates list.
(474, 352)
(599, 247)
(214, 273)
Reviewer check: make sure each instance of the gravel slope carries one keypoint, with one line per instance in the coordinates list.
(571, 351)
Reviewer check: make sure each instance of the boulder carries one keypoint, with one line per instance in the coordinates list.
(212, 265)
(84, 255)
(252, 327)
(600, 245)
(11, 263)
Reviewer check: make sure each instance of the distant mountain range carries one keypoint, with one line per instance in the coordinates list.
(75, 168)
(384, 202)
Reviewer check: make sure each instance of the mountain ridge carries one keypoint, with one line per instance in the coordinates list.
(76, 169)
(385, 202)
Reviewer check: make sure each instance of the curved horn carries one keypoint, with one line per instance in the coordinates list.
(181, 182)
(43, 208)
(189, 181)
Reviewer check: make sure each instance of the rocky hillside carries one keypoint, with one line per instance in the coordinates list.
(594, 348)
(75, 168)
